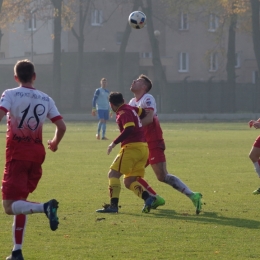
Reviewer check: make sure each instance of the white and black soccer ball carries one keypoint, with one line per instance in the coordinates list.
(137, 19)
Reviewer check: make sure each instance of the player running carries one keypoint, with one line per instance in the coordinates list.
(254, 154)
(154, 137)
(132, 157)
(27, 109)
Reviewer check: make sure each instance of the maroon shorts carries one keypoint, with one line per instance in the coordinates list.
(20, 178)
(257, 142)
(156, 155)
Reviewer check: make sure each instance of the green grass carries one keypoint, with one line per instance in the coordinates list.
(211, 158)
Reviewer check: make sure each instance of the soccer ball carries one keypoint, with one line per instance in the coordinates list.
(137, 19)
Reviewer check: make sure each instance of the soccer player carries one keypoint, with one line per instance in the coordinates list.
(132, 157)
(100, 105)
(154, 137)
(26, 109)
(254, 154)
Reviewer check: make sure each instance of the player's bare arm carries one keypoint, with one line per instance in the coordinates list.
(148, 119)
(59, 133)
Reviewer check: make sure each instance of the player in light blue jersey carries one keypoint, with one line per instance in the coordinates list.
(101, 108)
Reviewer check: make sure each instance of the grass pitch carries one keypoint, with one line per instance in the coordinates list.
(211, 158)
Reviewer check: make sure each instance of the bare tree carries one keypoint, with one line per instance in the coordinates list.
(125, 38)
(160, 77)
(1, 34)
(57, 50)
(83, 8)
(231, 59)
(255, 6)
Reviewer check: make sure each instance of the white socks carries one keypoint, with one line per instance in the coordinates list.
(177, 184)
(257, 168)
(26, 207)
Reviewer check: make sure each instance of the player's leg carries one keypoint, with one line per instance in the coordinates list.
(158, 163)
(18, 230)
(100, 123)
(144, 183)
(159, 201)
(254, 156)
(135, 157)
(140, 191)
(15, 190)
(104, 125)
(172, 180)
(114, 188)
(114, 185)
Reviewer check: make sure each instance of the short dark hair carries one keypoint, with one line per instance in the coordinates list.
(24, 70)
(116, 98)
(147, 82)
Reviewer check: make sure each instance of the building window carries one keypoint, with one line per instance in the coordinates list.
(183, 22)
(255, 77)
(119, 37)
(238, 60)
(213, 62)
(213, 22)
(148, 55)
(183, 62)
(31, 23)
(96, 18)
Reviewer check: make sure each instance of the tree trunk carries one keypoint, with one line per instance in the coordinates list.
(255, 6)
(231, 63)
(1, 3)
(160, 77)
(57, 52)
(81, 40)
(1, 35)
(121, 61)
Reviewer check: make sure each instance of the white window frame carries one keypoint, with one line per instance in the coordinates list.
(238, 60)
(213, 22)
(213, 62)
(96, 17)
(254, 76)
(146, 55)
(183, 62)
(31, 23)
(183, 22)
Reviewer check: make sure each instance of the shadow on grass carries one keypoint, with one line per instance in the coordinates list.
(207, 217)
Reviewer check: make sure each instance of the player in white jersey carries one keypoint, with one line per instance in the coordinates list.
(26, 109)
(154, 137)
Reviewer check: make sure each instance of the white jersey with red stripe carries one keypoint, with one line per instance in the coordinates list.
(27, 109)
(153, 131)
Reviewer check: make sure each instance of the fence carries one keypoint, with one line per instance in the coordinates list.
(207, 97)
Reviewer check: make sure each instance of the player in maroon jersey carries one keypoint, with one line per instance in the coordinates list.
(132, 157)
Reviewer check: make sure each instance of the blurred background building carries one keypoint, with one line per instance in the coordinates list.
(193, 48)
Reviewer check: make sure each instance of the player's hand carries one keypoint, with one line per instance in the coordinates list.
(255, 124)
(52, 146)
(110, 147)
(251, 123)
(111, 113)
(94, 111)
